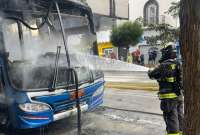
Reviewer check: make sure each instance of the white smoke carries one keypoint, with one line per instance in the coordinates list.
(39, 50)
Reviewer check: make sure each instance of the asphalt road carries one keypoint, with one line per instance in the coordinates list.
(124, 112)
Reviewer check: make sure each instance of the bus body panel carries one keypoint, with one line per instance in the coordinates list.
(59, 103)
(28, 56)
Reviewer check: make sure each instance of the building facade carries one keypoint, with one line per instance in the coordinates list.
(106, 13)
(111, 12)
(152, 11)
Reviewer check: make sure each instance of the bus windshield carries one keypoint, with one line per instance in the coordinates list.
(31, 60)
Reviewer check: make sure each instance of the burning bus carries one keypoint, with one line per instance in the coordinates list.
(40, 80)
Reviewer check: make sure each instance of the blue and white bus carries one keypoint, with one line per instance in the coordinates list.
(37, 84)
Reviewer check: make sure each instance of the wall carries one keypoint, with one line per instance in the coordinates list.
(122, 8)
(136, 8)
(100, 6)
(103, 7)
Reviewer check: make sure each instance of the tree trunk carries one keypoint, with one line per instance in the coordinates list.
(190, 49)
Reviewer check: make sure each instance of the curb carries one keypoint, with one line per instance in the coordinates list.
(132, 86)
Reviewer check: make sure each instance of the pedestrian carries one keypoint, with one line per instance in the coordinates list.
(168, 75)
(129, 59)
(137, 53)
(154, 56)
(142, 59)
(150, 58)
(133, 58)
(113, 55)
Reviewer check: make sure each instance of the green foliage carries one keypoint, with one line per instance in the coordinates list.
(126, 34)
(174, 9)
(167, 33)
(140, 20)
(152, 40)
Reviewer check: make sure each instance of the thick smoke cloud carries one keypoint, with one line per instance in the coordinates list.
(32, 64)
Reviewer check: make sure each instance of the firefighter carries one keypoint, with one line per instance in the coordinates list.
(168, 75)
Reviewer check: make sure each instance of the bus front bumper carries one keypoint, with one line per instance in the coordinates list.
(28, 121)
(69, 113)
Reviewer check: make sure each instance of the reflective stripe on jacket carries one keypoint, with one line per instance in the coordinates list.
(167, 96)
(175, 134)
(169, 79)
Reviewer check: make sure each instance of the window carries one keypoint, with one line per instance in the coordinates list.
(151, 12)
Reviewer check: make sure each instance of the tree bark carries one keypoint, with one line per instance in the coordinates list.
(190, 49)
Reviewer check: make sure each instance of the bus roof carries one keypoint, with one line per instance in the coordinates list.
(40, 6)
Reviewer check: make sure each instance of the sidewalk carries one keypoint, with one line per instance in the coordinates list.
(130, 80)
(132, 86)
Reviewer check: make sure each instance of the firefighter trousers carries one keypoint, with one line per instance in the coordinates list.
(173, 115)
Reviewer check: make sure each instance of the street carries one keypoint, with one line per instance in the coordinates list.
(58, 57)
(124, 112)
